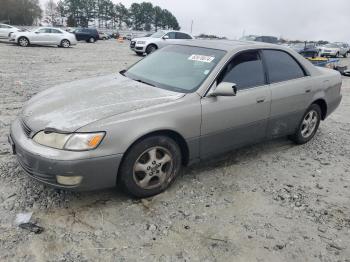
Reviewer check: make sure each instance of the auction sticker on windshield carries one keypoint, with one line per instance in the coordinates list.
(201, 58)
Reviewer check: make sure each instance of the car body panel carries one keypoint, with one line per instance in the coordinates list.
(128, 111)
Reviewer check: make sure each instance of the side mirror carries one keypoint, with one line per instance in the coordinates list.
(165, 37)
(225, 89)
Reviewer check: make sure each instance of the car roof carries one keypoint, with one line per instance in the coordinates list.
(226, 45)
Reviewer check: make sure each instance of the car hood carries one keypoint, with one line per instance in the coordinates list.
(70, 106)
(330, 48)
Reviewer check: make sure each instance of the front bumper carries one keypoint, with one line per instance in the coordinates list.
(44, 164)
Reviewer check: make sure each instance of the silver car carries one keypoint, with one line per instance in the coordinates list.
(156, 41)
(44, 36)
(7, 30)
(182, 104)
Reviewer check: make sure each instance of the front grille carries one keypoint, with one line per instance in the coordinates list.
(132, 44)
(26, 129)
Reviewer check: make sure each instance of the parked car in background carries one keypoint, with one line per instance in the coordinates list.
(89, 35)
(103, 36)
(344, 46)
(7, 30)
(333, 50)
(156, 41)
(306, 49)
(44, 36)
(186, 102)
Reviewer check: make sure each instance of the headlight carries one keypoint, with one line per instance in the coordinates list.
(141, 42)
(74, 142)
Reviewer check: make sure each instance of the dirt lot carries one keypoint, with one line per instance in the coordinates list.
(271, 202)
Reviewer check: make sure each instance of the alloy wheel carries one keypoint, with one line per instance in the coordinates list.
(23, 42)
(65, 43)
(153, 167)
(309, 124)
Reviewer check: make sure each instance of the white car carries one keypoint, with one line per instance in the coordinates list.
(7, 30)
(44, 36)
(156, 41)
(333, 50)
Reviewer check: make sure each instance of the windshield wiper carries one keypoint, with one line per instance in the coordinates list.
(143, 82)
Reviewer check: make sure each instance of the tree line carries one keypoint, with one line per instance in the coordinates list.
(79, 13)
(105, 13)
(20, 12)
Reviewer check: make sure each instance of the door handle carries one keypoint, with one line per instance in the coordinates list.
(307, 90)
(260, 100)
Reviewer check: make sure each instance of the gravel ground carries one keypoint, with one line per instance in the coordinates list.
(271, 202)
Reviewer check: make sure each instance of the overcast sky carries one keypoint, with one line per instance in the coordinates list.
(291, 19)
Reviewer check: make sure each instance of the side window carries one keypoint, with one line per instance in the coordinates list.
(245, 70)
(281, 66)
(44, 30)
(55, 31)
(182, 36)
(171, 35)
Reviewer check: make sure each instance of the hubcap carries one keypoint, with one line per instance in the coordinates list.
(309, 124)
(153, 167)
(23, 42)
(65, 44)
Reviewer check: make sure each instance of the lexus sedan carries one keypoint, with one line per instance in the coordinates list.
(182, 104)
(156, 41)
(44, 36)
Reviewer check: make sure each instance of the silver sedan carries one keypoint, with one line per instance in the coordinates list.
(44, 36)
(182, 104)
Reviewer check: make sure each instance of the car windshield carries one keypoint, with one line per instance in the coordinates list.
(177, 68)
(158, 34)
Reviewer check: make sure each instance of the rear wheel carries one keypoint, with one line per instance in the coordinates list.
(65, 43)
(308, 125)
(23, 41)
(150, 166)
(91, 40)
(345, 55)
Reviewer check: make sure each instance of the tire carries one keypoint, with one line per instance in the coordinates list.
(150, 49)
(23, 41)
(345, 55)
(150, 166)
(65, 43)
(91, 40)
(308, 125)
(337, 55)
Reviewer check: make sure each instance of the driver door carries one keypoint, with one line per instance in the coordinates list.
(170, 40)
(229, 122)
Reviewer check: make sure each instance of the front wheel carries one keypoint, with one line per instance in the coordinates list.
(150, 166)
(24, 42)
(308, 125)
(91, 40)
(150, 49)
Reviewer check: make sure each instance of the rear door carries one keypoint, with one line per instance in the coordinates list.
(291, 91)
(56, 36)
(41, 36)
(231, 122)
(4, 31)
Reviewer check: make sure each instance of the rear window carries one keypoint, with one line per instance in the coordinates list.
(282, 66)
